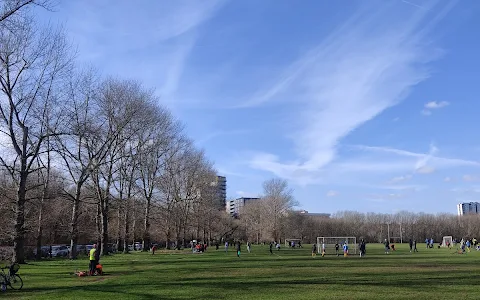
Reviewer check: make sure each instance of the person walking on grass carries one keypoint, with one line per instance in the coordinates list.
(387, 246)
(314, 250)
(415, 246)
(248, 247)
(362, 248)
(345, 249)
(337, 246)
(410, 243)
(271, 247)
(226, 246)
(323, 249)
(238, 248)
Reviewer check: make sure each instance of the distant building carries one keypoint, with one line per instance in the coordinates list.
(316, 215)
(235, 207)
(470, 208)
(220, 184)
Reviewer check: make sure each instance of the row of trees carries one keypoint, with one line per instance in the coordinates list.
(258, 225)
(85, 158)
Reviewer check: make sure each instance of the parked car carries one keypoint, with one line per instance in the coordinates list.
(81, 249)
(60, 251)
(44, 251)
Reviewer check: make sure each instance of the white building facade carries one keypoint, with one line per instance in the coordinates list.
(469, 208)
(234, 207)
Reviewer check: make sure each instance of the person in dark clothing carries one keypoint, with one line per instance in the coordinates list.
(314, 250)
(337, 246)
(271, 248)
(362, 248)
(238, 248)
(415, 246)
(410, 243)
(216, 245)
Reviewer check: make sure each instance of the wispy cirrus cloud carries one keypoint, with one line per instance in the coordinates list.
(422, 162)
(150, 41)
(366, 66)
(400, 179)
(470, 178)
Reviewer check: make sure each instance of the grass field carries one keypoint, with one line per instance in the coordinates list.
(287, 274)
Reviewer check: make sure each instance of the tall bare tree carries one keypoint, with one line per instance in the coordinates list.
(32, 67)
(278, 201)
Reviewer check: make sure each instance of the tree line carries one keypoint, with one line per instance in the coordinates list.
(257, 226)
(90, 159)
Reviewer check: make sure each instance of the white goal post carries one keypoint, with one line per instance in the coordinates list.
(330, 242)
(292, 240)
(446, 239)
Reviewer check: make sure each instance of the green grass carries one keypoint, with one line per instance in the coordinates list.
(287, 274)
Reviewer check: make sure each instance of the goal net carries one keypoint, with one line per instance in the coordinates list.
(288, 242)
(447, 239)
(330, 242)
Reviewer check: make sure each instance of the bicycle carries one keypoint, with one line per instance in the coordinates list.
(11, 278)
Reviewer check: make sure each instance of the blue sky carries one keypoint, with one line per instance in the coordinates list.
(360, 105)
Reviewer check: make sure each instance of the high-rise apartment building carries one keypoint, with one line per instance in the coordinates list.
(468, 208)
(234, 207)
(220, 184)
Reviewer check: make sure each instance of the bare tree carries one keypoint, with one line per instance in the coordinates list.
(32, 66)
(123, 105)
(158, 148)
(11, 7)
(278, 201)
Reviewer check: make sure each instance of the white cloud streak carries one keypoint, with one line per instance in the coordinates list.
(332, 194)
(422, 160)
(365, 67)
(435, 104)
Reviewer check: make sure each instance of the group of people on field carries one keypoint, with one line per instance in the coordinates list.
(467, 244)
(362, 248)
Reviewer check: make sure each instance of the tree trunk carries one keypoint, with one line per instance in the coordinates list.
(127, 228)
(39, 236)
(104, 234)
(146, 228)
(19, 234)
(169, 239)
(119, 228)
(74, 223)
(134, 225)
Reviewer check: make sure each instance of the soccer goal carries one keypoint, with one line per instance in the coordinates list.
(447, 239)
(340, 240)
(289, 241)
